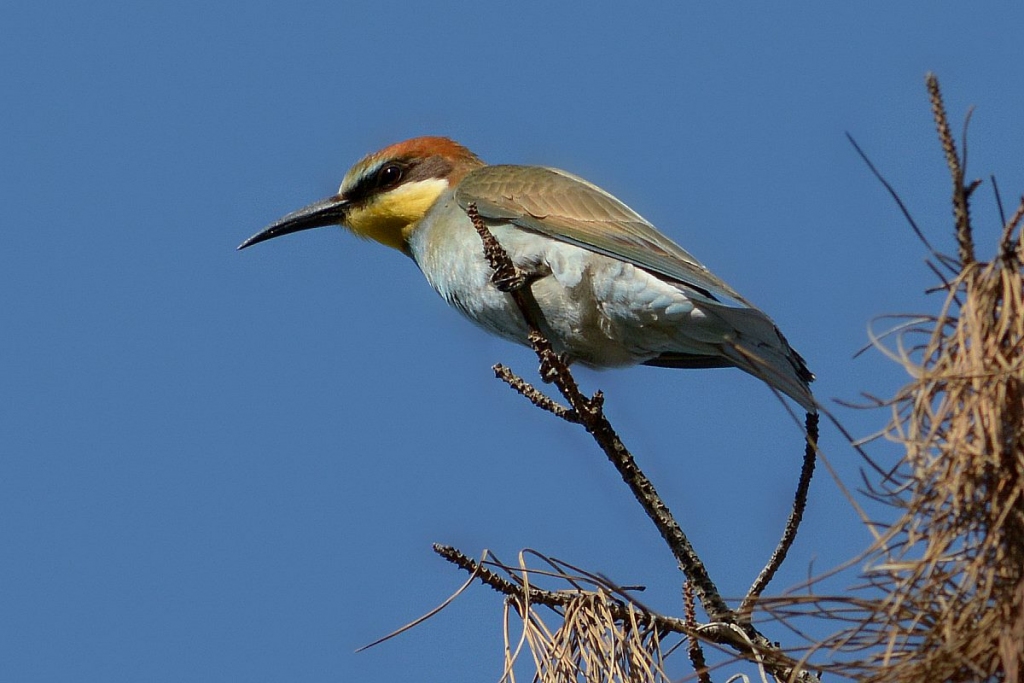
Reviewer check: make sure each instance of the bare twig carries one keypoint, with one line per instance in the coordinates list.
(998, 198)
(752, 648)
(498, 582)
(892, 193)
(942, 593)
(693, 646)
(591, 415)
(534, 395)
(589, 412)
(792, 524)
(506, 276)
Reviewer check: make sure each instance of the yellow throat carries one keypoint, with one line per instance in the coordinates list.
(391, 217)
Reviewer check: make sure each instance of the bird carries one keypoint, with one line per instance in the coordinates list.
(611, 289)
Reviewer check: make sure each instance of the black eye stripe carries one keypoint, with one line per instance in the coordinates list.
(395, 172)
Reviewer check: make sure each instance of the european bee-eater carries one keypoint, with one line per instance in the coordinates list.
(612, 290)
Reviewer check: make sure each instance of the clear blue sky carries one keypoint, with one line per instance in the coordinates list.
(231, 466)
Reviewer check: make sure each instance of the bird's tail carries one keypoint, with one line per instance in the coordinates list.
(747, 339)
(758, 347)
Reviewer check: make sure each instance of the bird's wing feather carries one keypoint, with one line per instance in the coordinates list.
(570, 209)
(567, 208)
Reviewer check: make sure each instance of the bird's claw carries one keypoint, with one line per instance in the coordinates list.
(509, 280)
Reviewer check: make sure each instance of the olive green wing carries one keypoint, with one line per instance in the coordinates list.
(570, 209)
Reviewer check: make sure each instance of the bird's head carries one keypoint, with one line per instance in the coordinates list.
(385, 194)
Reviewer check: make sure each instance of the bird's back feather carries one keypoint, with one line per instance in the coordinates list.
(567, 208)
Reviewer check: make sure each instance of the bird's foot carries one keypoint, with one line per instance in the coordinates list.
(509, 279)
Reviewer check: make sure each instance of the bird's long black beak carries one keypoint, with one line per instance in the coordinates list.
(330, 211)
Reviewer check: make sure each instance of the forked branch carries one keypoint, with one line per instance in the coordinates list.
(590, 413)
(726, 627)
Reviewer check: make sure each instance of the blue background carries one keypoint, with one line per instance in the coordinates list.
(231, 466)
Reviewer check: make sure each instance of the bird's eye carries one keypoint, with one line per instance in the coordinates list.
(389, 176)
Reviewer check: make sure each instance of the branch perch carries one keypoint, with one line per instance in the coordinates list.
(726, 627)
(757, 649)
(590, 413)
(796, 515)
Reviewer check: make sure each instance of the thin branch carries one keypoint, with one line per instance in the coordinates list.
(723, 629)
(963, 138)
(428, 615)
(892, 193)
(999, 199)
(753, 648)
(792, 524)
(693, 646)
(534, 395)
(591, 415)
(500, 583)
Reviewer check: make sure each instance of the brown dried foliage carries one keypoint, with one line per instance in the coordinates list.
(953, 563)
(950, 568)
(590, 642)
(943, 591)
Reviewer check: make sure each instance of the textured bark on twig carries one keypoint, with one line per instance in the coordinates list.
(693, 647)
(942, 597)
(726, 628)
(590, 413)
(792, 524)
(758, 650)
